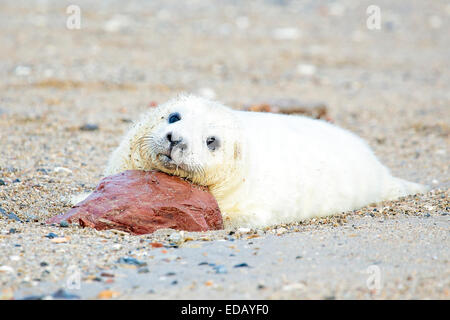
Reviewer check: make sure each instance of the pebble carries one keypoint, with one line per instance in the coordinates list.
(286, 33)
(89, 127)
(116, 246)
(220, 269)
(51, 235)
(63, 224)
(242, 265)
(62, 169)
(176, 237)
(306, 69)
(107, 294)
(2, 182)
(106, 274)
(143, 270)
(10, 215)
(60, 240)
(131, 261)
(22, 71)
(117, 23)
(6, 269)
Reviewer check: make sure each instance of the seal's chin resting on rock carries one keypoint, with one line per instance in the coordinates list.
(262, 168)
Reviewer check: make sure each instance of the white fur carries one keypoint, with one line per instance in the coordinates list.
(269, 169)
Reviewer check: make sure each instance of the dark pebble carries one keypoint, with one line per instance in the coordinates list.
(10, 215)
(298, 257)
(12, 230)
(64, 224)
(132, 261)
(203, 263)
(2, 182)
(242, 265)
(14, 217)
(169, 274)
(44, 171)
(43, 264)
(51, 235)
(33, 297)
(106, 274)
(63, 294)
(174, 282)
(89, 127)
(16, 180)
(143, 270)
(261, 286)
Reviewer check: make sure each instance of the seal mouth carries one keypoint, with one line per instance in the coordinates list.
(167, 161)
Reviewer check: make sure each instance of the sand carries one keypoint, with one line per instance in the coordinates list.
(390, 86)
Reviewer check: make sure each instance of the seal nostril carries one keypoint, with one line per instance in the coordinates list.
(169, 136)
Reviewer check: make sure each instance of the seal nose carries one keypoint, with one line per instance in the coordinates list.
(175, 140)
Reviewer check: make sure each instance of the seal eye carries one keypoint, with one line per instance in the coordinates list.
(174, 117)
(212, 143)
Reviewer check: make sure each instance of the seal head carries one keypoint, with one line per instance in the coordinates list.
(189, 137)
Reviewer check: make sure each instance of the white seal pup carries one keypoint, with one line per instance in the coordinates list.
(262, 168)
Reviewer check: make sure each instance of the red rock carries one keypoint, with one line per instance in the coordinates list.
(143, 201)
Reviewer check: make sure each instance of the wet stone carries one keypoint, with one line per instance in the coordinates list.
(242, 265)
(89, 127)
(63, 294)
(143, 270)
(51, 235)
(131, 261)
(64, 224)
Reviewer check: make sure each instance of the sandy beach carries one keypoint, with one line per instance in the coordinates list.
(68, 95)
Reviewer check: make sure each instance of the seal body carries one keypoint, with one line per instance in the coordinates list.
(262, 168)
